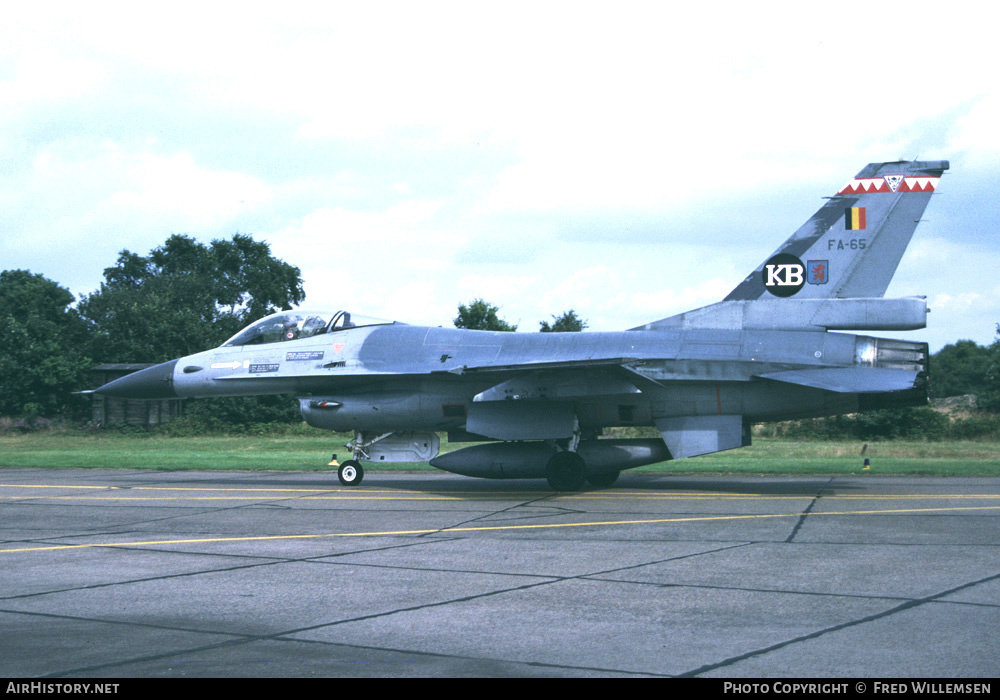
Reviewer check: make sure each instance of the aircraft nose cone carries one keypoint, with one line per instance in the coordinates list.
(156, 382)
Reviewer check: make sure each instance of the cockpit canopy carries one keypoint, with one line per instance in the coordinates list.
(294, 325)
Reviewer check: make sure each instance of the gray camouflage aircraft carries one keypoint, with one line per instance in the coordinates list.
(539, 401)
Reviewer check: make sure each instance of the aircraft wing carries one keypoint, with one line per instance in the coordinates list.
(853, 380)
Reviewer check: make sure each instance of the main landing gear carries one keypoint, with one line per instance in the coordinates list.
(566, 470)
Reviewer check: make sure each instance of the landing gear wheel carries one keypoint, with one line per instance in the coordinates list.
(350, 473)
(565, 471)
(603, 480)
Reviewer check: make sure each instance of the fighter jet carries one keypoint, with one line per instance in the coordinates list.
(538, 402)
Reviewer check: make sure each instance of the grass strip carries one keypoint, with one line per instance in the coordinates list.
(770, 456)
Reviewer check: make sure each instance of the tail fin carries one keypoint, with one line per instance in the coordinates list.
(852, 245)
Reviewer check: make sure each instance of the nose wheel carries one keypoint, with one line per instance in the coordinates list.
(350, 473)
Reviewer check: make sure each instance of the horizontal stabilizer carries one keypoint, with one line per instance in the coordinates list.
(849, 380)
(904, 314)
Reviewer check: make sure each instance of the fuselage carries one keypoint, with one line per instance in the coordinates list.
(401, 377)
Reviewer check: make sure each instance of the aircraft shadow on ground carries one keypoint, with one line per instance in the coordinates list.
(477, 488)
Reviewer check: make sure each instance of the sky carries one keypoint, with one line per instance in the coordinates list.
(626, 160)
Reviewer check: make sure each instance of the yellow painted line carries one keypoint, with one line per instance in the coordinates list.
(459, 497)
(386, 495)
(52, 486)
(913, 496)
(382, 494)
(193, 488)
(224, 498)
(488, 528)
(768, 497)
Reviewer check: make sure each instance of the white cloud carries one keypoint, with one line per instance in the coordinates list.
(175, 187)
(960, 302)
(109, 186)
(975, 134)
(44, 76)
(130, 122)
(383, 263)
(512, 293)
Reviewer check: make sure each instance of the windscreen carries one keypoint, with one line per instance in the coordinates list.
(295, 325)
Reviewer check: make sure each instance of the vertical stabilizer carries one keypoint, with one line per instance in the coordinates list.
(853, 244)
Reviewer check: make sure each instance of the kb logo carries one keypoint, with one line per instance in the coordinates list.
(784, 275)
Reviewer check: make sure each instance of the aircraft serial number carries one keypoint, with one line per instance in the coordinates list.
(847, 244)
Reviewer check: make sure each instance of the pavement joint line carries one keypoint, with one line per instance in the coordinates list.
(260, 560)
(539, 526)
(807, 511)
(485, 516)
(242, 638)
(912, 603)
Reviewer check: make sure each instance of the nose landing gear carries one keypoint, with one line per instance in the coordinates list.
(350, 473)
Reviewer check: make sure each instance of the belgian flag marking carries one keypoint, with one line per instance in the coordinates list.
(854, 218)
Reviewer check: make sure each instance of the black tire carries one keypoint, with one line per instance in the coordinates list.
(603, 480)
(350, 473)
(566, 471)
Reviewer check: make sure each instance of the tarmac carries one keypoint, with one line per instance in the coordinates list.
(118, 574)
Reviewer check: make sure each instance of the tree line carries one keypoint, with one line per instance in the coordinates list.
(181, 298)
(186, 296)
(480, 315)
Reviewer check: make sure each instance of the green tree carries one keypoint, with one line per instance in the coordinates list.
(568, 322)
(989, 399)
(42, 341)
(185, 297)
(481, 316)
(960, 368)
